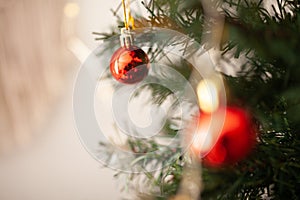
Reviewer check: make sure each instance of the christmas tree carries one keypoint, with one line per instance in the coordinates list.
(259, 64)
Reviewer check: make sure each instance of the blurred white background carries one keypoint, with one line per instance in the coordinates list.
(42, 44)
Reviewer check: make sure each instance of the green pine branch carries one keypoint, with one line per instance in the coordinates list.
(267, 84)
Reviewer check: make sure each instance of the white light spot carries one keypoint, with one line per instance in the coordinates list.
(71, 10)
(208, 96)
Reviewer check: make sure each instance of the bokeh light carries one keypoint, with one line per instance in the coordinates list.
(208, 97)
(71, 10)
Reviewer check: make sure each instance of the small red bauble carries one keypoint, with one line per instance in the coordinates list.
(234, 142)
(129, 65)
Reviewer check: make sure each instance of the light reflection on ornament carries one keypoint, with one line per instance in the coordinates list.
(204, 138)
(204, 134)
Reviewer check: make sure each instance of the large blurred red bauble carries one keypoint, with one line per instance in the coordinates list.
(234, 142)
(129, 65)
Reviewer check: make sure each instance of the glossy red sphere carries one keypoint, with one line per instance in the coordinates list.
(129, 65)
(235, 141)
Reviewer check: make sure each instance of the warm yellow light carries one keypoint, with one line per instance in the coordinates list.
(71, 10)
(208, 97)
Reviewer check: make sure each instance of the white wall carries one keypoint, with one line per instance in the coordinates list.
(54, 165)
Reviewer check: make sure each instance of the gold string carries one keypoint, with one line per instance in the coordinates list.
(125, 15)
(128, 19)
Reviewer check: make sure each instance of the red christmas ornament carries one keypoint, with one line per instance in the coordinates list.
(232, 144)
(129, 64)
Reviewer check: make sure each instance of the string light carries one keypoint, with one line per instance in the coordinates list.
(208, 97)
